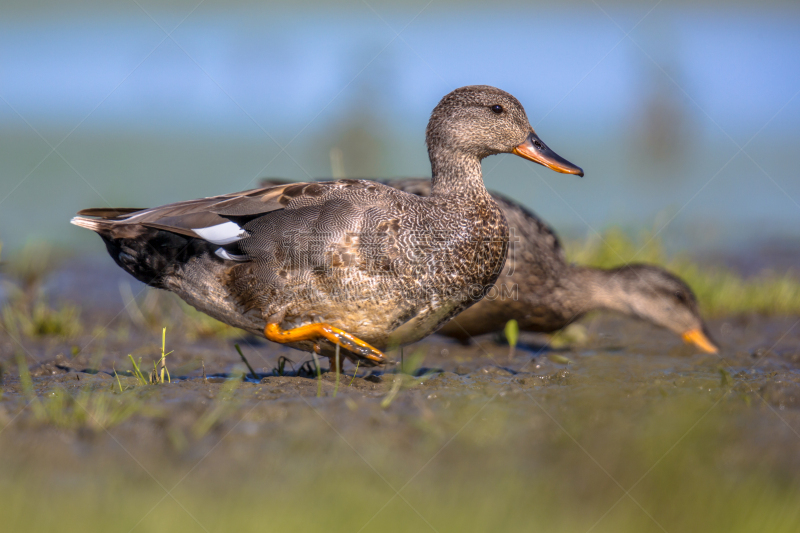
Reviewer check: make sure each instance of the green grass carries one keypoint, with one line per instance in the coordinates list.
(719, 290)
(160, 373)
(687, 463)
(28, 310)
(37, 317)
(511, 332)
(83, 409)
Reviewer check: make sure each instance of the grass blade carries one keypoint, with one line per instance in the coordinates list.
(338, 367)
(246, 362)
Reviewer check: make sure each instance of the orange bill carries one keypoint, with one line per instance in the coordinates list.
(700, 339)
(535, 150)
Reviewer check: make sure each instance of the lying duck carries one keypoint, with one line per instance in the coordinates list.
(545, 293)
(352, 264)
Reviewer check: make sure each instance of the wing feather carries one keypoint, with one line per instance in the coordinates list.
(109, 212)
(186, 217)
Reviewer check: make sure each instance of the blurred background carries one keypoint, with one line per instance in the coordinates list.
(684, 115)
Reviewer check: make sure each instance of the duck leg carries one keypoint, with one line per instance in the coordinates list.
(336, 361)
(313, 332)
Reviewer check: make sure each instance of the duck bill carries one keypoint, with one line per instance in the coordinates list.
(535, 150)
(700, 339)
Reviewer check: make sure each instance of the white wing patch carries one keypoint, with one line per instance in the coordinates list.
(223, 253)
(224, 233)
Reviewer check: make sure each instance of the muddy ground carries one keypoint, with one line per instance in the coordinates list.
(626, 429)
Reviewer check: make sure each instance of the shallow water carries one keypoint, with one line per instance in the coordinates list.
(656, 117)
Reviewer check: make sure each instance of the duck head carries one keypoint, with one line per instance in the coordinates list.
(479, 121)
(654, 294)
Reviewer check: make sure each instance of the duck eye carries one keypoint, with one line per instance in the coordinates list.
(680, 296)
(497, 109)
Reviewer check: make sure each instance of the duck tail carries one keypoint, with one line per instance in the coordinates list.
(105, 221)
(109, 227)
(151, 255)
(97, 225)
(131, 247)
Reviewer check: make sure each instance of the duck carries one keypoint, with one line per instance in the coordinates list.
(347, 268)
(544, 293)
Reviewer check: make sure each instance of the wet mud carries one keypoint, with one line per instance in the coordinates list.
(626, 428)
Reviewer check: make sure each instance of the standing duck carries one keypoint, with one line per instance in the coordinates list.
(349, 263)
(545, 293)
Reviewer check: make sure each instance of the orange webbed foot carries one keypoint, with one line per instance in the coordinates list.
(273, 332)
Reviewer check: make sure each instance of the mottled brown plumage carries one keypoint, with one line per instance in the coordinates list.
(545, 293)
(385, 266)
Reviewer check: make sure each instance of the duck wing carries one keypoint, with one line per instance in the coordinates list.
(217, 219)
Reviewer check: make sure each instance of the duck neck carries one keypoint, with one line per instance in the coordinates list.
(604, 290)
(455, 172)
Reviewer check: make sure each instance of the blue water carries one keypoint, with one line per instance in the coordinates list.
(656, 120)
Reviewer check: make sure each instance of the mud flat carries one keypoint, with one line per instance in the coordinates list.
(628, 431)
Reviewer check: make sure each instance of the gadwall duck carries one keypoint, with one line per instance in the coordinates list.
(545, 293)
(349, 263)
